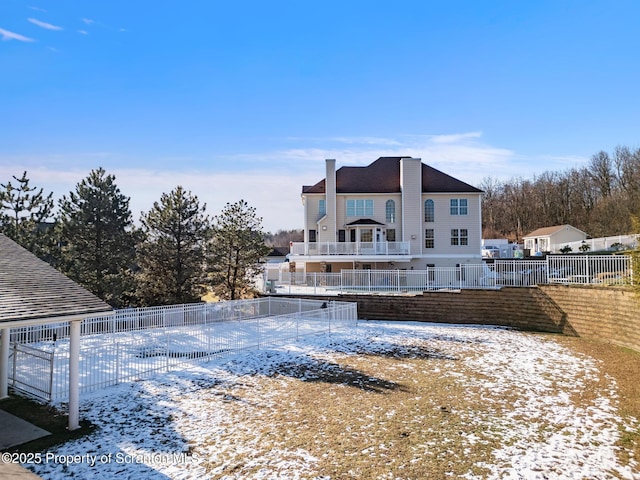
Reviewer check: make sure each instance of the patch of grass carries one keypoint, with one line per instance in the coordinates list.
(393, 415)
(623, 364)
(46, 417)
(388, 416)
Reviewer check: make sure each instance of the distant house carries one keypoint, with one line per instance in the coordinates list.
(277, 254)
(396, 213)
(551, 239)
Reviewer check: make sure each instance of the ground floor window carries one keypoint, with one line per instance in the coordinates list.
(459, 236)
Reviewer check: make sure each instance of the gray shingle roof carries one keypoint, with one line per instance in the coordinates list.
(383, 176)
(31, 289)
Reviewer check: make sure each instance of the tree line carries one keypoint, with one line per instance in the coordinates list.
(175, 255)
(601, 198)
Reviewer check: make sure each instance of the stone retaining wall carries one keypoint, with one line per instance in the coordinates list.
(607, 313)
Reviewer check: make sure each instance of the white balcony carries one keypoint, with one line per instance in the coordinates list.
(350, 248)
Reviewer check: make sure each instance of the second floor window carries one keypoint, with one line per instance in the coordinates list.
(359, 208)
(322, 208)
(391, 234)
(390, 207)
(459, 206)
(429, 211)
(429, 238)
(312, 236)
(459, 236)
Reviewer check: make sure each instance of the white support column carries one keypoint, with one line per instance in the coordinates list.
(74, 375)
(4, 362)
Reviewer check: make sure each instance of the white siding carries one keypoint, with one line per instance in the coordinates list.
(445, 222)
(411, 186)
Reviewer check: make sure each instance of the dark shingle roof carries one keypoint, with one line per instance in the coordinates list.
(383, 176)
(363, 221)
(31, 289)
(279, 252)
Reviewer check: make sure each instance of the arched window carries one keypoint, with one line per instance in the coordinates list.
(391, 211)
(429, 211)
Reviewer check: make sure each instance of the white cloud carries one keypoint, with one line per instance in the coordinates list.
(38, 9)
(454, 138)
(7, 35)
(87, 21)
(271, 181)
(83, 32)
(45, 25)
(366, 140)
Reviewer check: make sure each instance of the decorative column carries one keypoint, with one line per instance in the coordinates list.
(74, 375)
(4, 362)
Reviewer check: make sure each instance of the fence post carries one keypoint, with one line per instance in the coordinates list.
(15, 363)
(117, 363)
(168, 348)
(51, 369)
(586, 269)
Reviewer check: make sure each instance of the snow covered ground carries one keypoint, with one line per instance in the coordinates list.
(186, 424)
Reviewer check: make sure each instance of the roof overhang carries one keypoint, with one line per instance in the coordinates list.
(364, 222)
(27, 322)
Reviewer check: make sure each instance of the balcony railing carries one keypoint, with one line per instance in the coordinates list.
(561, 269)
(351, 248)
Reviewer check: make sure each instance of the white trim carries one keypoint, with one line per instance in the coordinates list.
(59, 319)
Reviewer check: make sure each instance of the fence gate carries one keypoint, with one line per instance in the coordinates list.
(31, 370)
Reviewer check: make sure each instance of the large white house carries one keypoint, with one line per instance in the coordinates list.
(396, 213)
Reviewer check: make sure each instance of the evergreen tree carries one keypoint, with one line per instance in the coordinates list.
(171, 257)
(97, 241)
(236, 249)
(23, 213)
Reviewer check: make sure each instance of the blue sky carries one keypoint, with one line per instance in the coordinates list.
(246, 99)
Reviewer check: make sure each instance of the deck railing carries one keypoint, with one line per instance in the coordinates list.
(565, 269)
(350, 248)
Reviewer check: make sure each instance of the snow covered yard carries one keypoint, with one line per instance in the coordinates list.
(392, 400)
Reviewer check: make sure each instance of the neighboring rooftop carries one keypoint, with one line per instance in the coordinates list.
(383, 176)
(30, 288)
(545, 231)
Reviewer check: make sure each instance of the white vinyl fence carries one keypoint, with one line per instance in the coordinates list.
(568, 269)
(135, 343)
(617, 243)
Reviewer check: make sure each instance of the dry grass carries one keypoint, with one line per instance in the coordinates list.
(623, 365)
(368, 416)
(409, 410)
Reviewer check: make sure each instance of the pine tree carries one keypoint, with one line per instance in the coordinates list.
(23, 213)
(236, 249)
(171, 257)
(97, 240)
